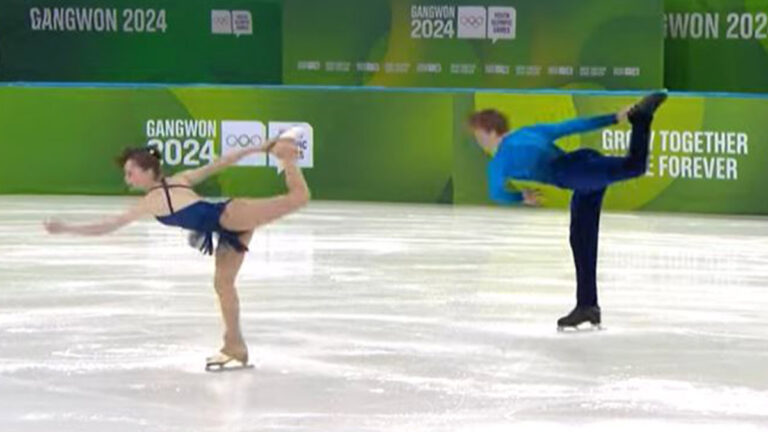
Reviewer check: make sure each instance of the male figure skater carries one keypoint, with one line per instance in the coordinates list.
(530, 154)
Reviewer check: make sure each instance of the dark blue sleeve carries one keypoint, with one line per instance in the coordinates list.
(497, 188)
(559, 130)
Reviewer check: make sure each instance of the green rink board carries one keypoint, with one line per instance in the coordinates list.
(709, 153)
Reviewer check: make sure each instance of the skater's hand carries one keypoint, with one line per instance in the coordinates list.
(623, 114)
(286, 150)
(532, 197)
(53, 226)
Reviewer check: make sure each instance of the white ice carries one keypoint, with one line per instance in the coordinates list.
(384, 317)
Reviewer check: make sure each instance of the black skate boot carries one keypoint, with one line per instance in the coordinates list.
(647, 106)
(578, 316)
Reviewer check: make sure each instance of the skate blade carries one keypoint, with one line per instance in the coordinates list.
(221, 362)
(225, 367)
(581, 329)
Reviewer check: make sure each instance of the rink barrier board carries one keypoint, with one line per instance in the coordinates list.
(708, 151)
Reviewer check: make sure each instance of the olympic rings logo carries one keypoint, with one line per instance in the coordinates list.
(243, 140)
(473, 21)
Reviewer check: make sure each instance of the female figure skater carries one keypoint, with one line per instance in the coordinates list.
(173, 202)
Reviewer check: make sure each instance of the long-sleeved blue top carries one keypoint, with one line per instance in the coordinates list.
(528, 153)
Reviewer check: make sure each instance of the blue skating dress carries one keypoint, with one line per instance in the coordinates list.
(202, 220)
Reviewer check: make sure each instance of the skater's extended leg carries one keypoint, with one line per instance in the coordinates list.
(587, 169)
(247, 214)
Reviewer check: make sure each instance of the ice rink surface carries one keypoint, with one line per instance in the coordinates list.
(384, 317)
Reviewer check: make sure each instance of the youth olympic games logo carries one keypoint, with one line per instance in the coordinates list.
(475, 21)
(471, 22)
(236, 135)
(237, 22)
(239, 134)
(494, 22)
(243, 140)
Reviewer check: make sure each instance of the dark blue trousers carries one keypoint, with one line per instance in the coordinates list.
(588, 174)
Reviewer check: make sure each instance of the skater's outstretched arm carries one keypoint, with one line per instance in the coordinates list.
(579, 125)
(198, 175)
(105, 226)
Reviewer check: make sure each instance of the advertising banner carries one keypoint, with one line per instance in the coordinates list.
(594, 44)
(708, 154)
(716, 45)
(372, 146)
(144, 41)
